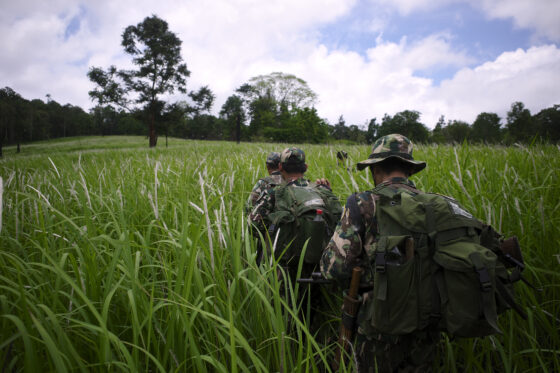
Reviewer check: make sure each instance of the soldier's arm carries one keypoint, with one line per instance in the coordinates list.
(346, 248)
(261, 209)
(258, 188)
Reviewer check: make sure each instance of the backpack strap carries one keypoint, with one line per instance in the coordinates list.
(487, 294)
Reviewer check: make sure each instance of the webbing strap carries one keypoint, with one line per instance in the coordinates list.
(438, 293)
(487, 295)
(430, 228)
(380, 268)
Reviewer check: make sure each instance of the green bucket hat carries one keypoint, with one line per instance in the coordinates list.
(392, 146)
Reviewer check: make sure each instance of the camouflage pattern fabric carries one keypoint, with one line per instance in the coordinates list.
(392, 146)
(353, 244)
(275, 178)
(265, 204)
(292, 156)
(272, 159)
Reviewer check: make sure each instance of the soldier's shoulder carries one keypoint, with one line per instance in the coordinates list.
(367, 196)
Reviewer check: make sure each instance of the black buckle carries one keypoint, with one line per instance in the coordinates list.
(380, 263)
(484, 278)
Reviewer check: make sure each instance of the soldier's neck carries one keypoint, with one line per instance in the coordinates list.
(291, 177)
(382, 177)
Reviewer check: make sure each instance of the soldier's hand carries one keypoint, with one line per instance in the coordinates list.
(324, 182)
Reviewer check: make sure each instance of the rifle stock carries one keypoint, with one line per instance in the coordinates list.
(350, 308)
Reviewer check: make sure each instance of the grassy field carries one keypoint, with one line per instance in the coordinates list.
(116, 257)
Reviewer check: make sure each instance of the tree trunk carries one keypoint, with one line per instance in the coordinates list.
(153, 138)
(18, 149)
(166, 139)
(238, 129)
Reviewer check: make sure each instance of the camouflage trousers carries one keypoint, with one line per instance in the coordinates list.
(408, 353)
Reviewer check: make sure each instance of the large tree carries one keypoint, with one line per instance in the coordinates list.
(406, 123)
(234, 116)
(156, 52)
(548, 121)
(286, 90)
(486, 128)
(272, 100)
(520, 124)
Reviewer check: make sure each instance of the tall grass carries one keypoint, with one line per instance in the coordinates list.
(120, 258)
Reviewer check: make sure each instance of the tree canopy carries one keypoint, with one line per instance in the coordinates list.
(156, 52)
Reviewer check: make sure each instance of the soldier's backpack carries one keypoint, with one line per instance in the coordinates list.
(303, 216)
(436, 266)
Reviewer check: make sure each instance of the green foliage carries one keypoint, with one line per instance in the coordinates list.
(456, 131)
(406, 123)
(156, 52)
(114, 258)
(486, 128)
(520, 124)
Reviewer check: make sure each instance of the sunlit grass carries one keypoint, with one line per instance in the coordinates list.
(118, 257)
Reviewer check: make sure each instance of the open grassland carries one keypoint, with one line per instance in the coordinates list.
(115, 257)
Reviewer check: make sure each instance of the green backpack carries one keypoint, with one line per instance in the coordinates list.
(295, 221)
(436, 266)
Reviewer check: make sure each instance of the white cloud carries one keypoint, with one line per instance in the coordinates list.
(531, 76)
(541, 15)
(226, 43)
(538, 15)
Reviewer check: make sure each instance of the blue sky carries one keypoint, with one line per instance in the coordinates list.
(363, 58)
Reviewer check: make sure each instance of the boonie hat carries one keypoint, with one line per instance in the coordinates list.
(292, 156)
(392, 146)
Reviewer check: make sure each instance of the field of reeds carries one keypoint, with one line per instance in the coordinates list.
(116, 257)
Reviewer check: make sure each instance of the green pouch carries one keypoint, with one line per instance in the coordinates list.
(468, 289)
(395, 292)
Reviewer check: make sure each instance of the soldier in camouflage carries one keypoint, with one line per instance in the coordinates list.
(353, 244)
(274, 178)
(292, 167)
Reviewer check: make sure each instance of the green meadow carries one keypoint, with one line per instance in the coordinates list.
(115, 257)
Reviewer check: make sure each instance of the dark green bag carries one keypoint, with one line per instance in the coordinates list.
(432, 270)
(293, 224)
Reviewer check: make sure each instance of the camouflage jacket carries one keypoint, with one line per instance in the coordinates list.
(263, 184)
(352, 243)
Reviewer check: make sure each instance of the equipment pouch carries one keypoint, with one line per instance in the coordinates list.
(468, 302)
(395, 291)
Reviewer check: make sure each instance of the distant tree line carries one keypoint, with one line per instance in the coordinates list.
(277, 107)
(258, 117)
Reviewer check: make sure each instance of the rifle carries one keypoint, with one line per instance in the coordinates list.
(350, 307)
(316, 278)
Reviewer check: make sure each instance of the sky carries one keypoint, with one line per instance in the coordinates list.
(364, 59)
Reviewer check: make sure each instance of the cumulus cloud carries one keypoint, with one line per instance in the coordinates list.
(49, 48)
(531, 76)
(541, 16)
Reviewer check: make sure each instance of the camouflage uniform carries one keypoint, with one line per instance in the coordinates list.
(353, 244)
(275, 178)
(258, 218)
(265, 202)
